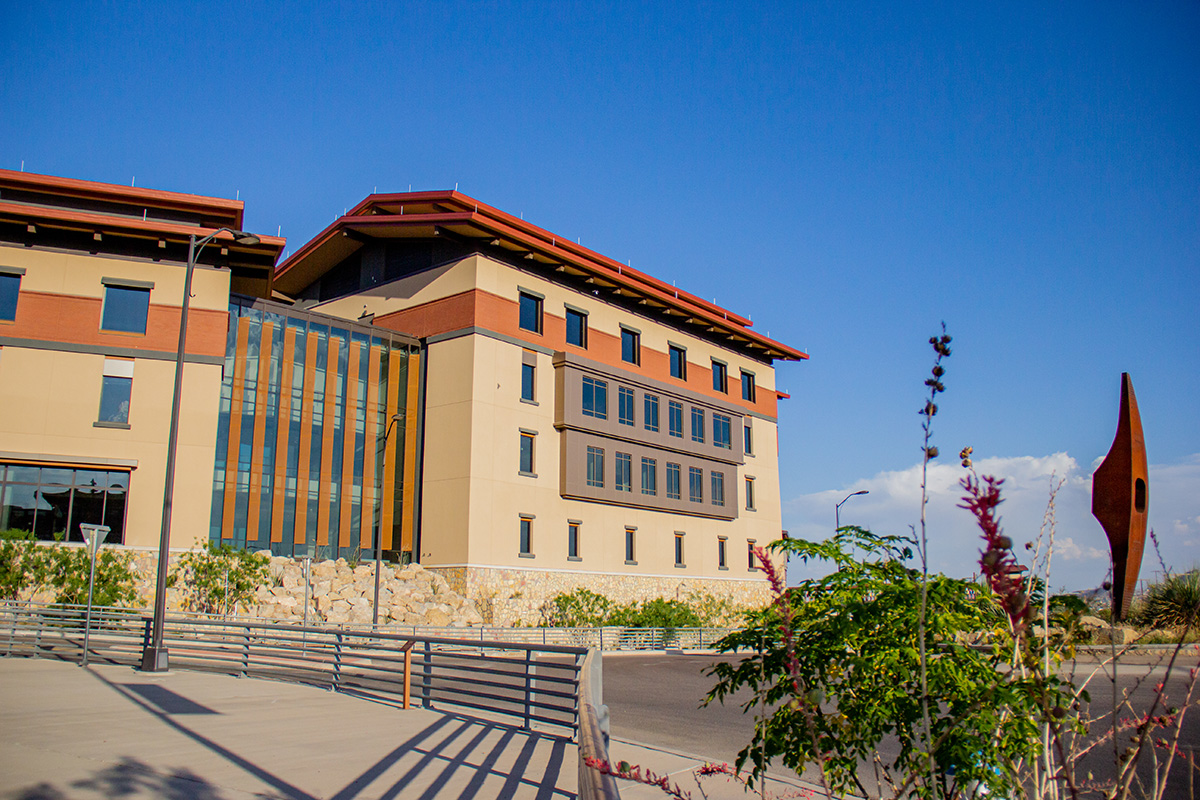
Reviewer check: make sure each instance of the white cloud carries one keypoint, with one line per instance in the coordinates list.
(1080, 558)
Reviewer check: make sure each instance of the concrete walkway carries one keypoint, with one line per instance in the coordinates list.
(111, 731)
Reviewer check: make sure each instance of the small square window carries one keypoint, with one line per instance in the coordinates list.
(531, 313)
(748, 386)
(573, 540)
(673, 481)
(630, 552)
(696, 484)
(623, 480)
(528, 374)
(625, 405)
(631, 346)
(698, 425)
(527, 453)
(649, 476)
(750, 494)
(595, 467)
(526, 537)
(679, 550)
(577, 328)
(125, 309)
(595, 398)
(678, 362)
(721, 550)
(675, 418)
(720, 375)
(10, 290)
(650, 418)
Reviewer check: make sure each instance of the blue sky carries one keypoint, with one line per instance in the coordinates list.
(847, 174)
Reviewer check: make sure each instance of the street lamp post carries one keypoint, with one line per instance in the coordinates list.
(379, 533)
(154, 654)
(94, 536)
(837, 520)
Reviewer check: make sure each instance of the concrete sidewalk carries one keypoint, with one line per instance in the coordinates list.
(111, 731)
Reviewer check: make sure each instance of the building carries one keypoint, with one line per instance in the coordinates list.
(509, 408)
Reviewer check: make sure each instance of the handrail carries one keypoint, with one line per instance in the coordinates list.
(593, 732)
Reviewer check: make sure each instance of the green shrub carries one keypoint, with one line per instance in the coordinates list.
(578, 609)
(18, 563)
(66, 569)
(1174, 603)
(220, 578)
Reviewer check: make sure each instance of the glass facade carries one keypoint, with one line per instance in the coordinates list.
(314, 421)
(51, 502)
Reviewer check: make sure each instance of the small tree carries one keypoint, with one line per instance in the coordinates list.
(19, 563)
(218, 577)
(66, 570)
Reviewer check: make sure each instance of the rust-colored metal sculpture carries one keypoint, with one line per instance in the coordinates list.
(1121, 499)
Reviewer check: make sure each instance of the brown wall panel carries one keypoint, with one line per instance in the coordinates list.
(439, 316)
(350, 408)
(327, 441)
(306, 423)
(387, 514)
(283, 431)
(260, 431)
(411, 416)
(370, 446)
(235, 426)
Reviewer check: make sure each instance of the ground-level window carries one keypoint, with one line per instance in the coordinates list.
(679, 549)
(721, 553)
(526, 536)
(751, 558)
(630, 552)
(573, 539)
(51, 502)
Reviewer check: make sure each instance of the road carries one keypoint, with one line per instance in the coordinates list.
(655, 699)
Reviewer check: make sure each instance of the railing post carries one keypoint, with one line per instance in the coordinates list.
(12, 629)
(427, 678)
(528, 686)
(407, 672)
(245, 652)
(337, 662)
(37, 639)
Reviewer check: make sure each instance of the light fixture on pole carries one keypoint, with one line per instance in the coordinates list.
(378, 533)
(94, 535)
(837, 520)
(154, 654)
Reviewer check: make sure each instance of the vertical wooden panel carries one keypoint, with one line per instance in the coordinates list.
(306, 423)
(235, 426)
(283, 432)
(412, 395)
(260, 431)
(349, 435)
(370, 446)
(327, 442)
(388, 501)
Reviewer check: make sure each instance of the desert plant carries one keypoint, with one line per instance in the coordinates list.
(1173, 603)
(19, 562)
(219, 578)
(66, 571)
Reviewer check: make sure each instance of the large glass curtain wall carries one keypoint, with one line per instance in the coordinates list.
(51, 501)
(309, 462)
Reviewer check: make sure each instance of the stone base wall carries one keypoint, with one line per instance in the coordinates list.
(520, 597)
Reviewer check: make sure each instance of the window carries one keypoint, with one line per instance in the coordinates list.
(629, 549)
(749, 442)
(527, 453)
(528, 373)
(649, 476)
(675, 418)
(720, 375)
(723, 431)
(679, 549)
(595, 398)
(631, 346)
(126, 304)
(624, 477)
(748, 386)
(531, 312)
(673, 481)
(751, 559)
(698, 425)
(115, 393)
(10, 289)
(577, 328)
(625, 405)
(52, 501)
(526, 537)
(721, 564)
(678, 362)
(749, 494)
(696, 484)
(718, 488)
(573, 540)
(595, 467)
(650, 412)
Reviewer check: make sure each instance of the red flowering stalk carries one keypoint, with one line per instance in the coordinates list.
(785, 616)
(628, 772)
(997, 561)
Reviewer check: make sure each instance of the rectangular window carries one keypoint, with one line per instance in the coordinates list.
(698, 425)
(125, 308)
(10, 290)
(723, 431)
(528, 373)
(675, 418)
(526, 536)
(625, 405)
(721, 562)
(630, 552)
(650, 418)
(595, 398)
(649, 476)
(527, 453)
(678, 362)
(631, 346)
(624, 476)
(679, 550)
(718, 488)
(749, 442)
(751, 559)
(748, 386)
(749, 494)
(696, 484)
(115, 393)
(573, 540)
(673, 481)
(595, 467)
(531, 312)
(577, 329)
(720, 375)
